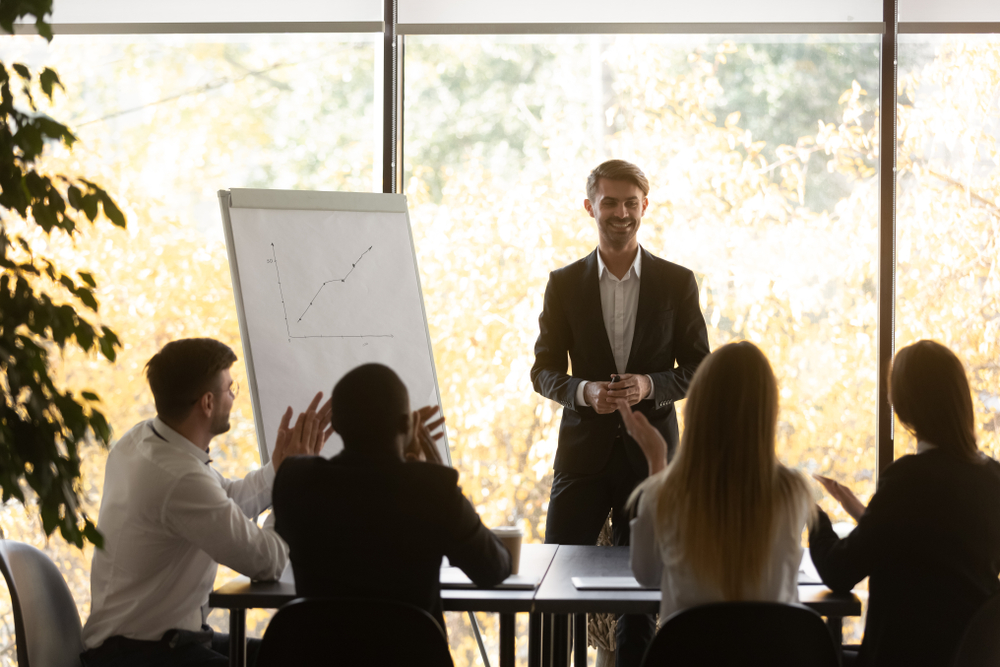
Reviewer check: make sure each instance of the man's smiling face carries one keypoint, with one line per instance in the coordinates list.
(617, 208)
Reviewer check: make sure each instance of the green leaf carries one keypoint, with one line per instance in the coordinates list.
(22, 71)
(85, 335)
(91, 396)
(49, 79)
(87, 278)
(86, 295)
(75, 197)
(108, 342)
(92, 534)
(111, 210)
(100, 426)
(89, 206)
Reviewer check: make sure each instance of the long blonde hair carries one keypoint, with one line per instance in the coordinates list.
(724, 489)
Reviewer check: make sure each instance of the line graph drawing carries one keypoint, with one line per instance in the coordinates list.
(284, 308)
(334, 280)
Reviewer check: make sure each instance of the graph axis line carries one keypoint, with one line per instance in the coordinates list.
(274, 257)
(334, 280)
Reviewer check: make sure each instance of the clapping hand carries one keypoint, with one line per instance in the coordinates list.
(423, 444)
(842, 495)
(311, 431)
(650, 440)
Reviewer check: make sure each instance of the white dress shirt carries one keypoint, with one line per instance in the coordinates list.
(168, 519)
(663, 565)
(619, 303)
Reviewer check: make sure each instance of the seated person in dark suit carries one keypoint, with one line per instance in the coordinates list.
(375, 520)
(929, 539)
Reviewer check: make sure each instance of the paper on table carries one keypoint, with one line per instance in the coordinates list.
(452, 577)
(807, 571)
(609, 584)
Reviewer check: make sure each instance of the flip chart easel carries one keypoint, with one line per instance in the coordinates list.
(324, 282)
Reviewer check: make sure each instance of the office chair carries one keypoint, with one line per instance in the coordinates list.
(980, 644)
(47, 626)
(743, 633)
(353, 631)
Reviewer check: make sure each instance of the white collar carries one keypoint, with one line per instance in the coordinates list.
(167, 434)
(636, 265)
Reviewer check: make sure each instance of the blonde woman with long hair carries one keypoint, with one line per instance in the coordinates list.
(724, 521)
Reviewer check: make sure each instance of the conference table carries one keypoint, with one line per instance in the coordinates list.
(558, 609)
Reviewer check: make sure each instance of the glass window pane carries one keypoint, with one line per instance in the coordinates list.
(636, 11)
(760, 154)
(948, 228)
(164, 122)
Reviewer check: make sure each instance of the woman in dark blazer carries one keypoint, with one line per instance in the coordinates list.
(929, 540)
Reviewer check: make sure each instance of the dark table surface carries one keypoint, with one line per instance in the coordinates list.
(558, 595)
(241, 593)
(555, 595)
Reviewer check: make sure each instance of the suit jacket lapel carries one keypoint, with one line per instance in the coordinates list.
(592, 313)
(645, 308)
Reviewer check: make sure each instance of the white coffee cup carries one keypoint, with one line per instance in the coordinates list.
(511, 537)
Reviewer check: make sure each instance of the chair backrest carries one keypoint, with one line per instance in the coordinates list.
(980, 644)
(353, 631)
(46, 624)
(743, 633)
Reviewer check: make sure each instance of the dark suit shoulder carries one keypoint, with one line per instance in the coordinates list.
(665, 267)
(572, 271)
(294, 467)
(432, 473)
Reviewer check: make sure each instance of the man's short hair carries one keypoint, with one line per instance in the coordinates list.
(183, 371)
(617, 170)
(367, 404)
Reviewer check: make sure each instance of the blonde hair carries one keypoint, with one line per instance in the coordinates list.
(930, 394)
(722, 493)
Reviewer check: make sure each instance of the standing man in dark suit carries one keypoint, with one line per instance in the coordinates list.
(631, 326)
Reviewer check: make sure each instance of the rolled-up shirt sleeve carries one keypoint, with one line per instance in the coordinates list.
(199, 510)
(252, 493)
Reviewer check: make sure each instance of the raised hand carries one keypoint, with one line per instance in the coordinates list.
(423, 444)
(842, 495)
(311, 431)
(650, 440)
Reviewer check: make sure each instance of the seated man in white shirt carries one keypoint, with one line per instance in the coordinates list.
(168, 518)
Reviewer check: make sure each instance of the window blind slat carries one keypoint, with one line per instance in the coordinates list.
(599, 12)
(215, 11)
(953, 11)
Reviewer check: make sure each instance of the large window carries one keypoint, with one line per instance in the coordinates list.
(763, 155)
(164, 122)
(745, 142)
(757, 186)
(948, 248)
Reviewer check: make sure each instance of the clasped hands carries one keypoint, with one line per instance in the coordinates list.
(312, 429)
(604, 396)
